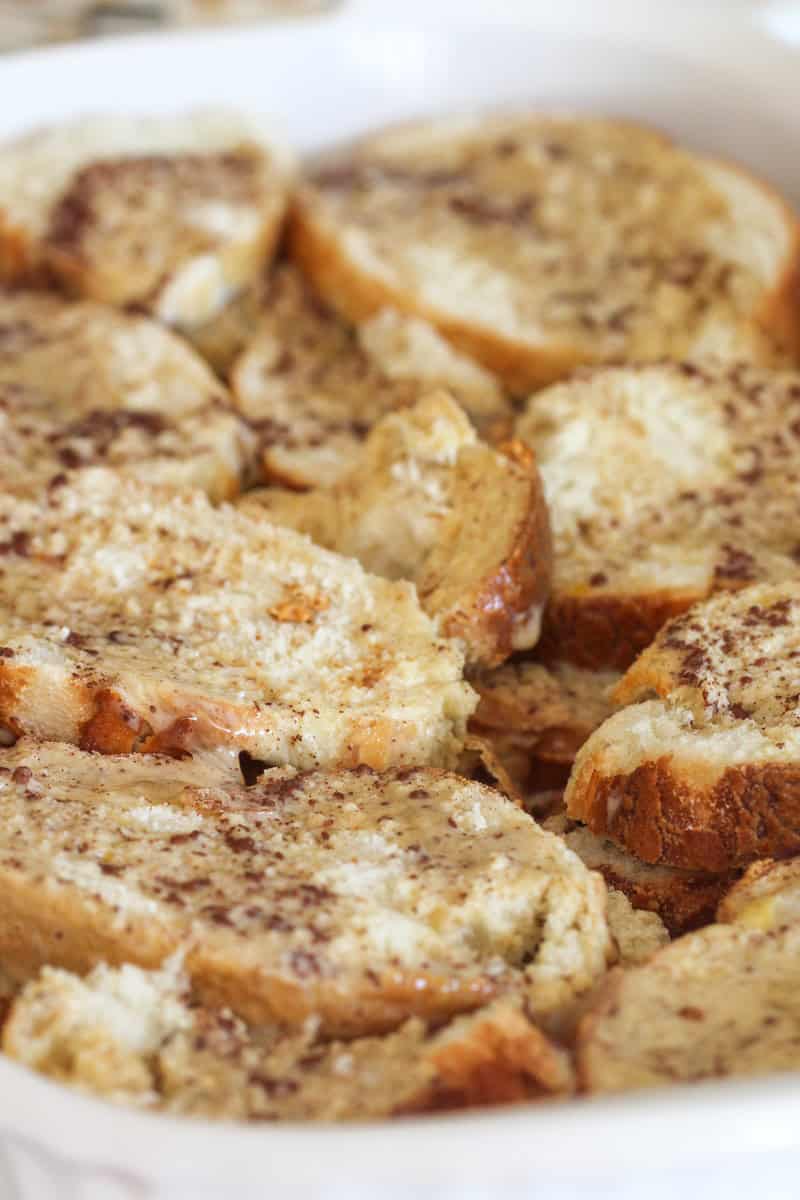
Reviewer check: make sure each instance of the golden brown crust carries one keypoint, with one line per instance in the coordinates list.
(685, 902)
(487, 620)
(495, 1057)
(779, 312)
(598, 631)
(357, 296)
(751, 811)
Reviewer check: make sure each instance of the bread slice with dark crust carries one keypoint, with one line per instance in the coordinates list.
(665, 484)
(537, 717)
(203, 193)
(427, 501)
(85, 385)
(357, 897)
(312, 386)
(536, 243)
(684, 900)
(139, 1037)
(706, 776)
(720, 1002)
(140, 619)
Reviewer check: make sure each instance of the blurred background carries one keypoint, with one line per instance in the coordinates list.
(25, 23)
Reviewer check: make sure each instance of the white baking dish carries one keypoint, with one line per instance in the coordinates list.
(706, 71)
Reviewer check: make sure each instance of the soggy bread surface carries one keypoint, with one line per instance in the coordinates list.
(140, 1037)
(428, 502)
(84, 385)
(719, 1002)
(174, 216)
(357, 897)
(312, 387)
(537, 243)
(665, 484)
(136, 619)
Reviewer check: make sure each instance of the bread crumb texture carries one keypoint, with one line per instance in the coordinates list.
(542, 242)
(141, 1038)
(137, 619)
(356, 897)
(664, 483)
(175, 216)
(428, 502)
(312, 387)
(84, 385)
(719, 1002)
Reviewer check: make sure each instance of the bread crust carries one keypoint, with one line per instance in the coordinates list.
(664, 816)
(601, 631)
(359, 296)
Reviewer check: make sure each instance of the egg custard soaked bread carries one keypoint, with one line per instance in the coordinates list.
(85, 385)
(536, 243)
(664, 483)
(427, 501)
(139, 1037)
(312, 386)
(706, 776)
(172, 216)
(139, 619)
(720, 1002)
(355, 897)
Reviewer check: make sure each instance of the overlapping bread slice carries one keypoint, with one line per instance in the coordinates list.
(536, 243)
(140, 619)
(766, 897)
(665, 483)
(82, 384)
(357, 897)
(427, 501)
(138, 1037)
(173, 216)
(536, 717)
(683, 900)
(312, 387)
(723, 1001)
(707, 775)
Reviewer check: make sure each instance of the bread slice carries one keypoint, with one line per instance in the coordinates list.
(173, 216)
(138, 1037)
(356, 897)
(536, 243)
(537, 717)
(683, 900)
(136, 619)
(719, 1002)
(427, 501)
(82, 385)
(706, 776)
(766, 897)
(637, 933)
(312, 387)
(665, 483)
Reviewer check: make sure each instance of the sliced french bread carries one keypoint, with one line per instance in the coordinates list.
(312, 387)
(536, 243)
(665, 483)
(428, 502)
(138, 1037)
(84, 385)
(173, 216)
(723, 1001)
(140, 619)
(707, 775)
(355, 897)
